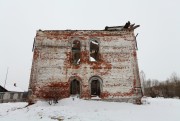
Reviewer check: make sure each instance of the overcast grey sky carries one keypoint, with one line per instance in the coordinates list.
(158, 41)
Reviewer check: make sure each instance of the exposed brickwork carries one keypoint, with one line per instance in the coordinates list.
(117, 67)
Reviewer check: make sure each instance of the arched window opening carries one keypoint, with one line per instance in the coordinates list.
(75, 87)
(76, 55)
(94, 50)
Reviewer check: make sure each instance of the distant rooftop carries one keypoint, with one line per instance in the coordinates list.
(10, 88)
(13, 88)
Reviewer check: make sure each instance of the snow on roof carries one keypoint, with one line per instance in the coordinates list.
(92, 59)
(78, 61)
(95, 42)
(13, 88)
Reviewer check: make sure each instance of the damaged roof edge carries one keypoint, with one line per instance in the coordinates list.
(127, 26)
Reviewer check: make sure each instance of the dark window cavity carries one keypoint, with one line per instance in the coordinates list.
(94, 50)
(76, 49)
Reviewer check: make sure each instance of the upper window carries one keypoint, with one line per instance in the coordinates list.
(94, 50)
(76, 48)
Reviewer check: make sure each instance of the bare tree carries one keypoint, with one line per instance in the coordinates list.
(154, 82)
(174, 77)
(143, 79)
(148, 83)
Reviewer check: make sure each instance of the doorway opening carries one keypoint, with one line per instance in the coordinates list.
(75, 87)
(95, 88)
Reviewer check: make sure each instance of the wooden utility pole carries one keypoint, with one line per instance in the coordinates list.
(6, 77)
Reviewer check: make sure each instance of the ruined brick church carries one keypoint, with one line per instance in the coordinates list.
(88, 63)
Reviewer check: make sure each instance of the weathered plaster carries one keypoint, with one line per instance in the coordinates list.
(52, 63)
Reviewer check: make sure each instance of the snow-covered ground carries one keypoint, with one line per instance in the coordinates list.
(153, 109)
